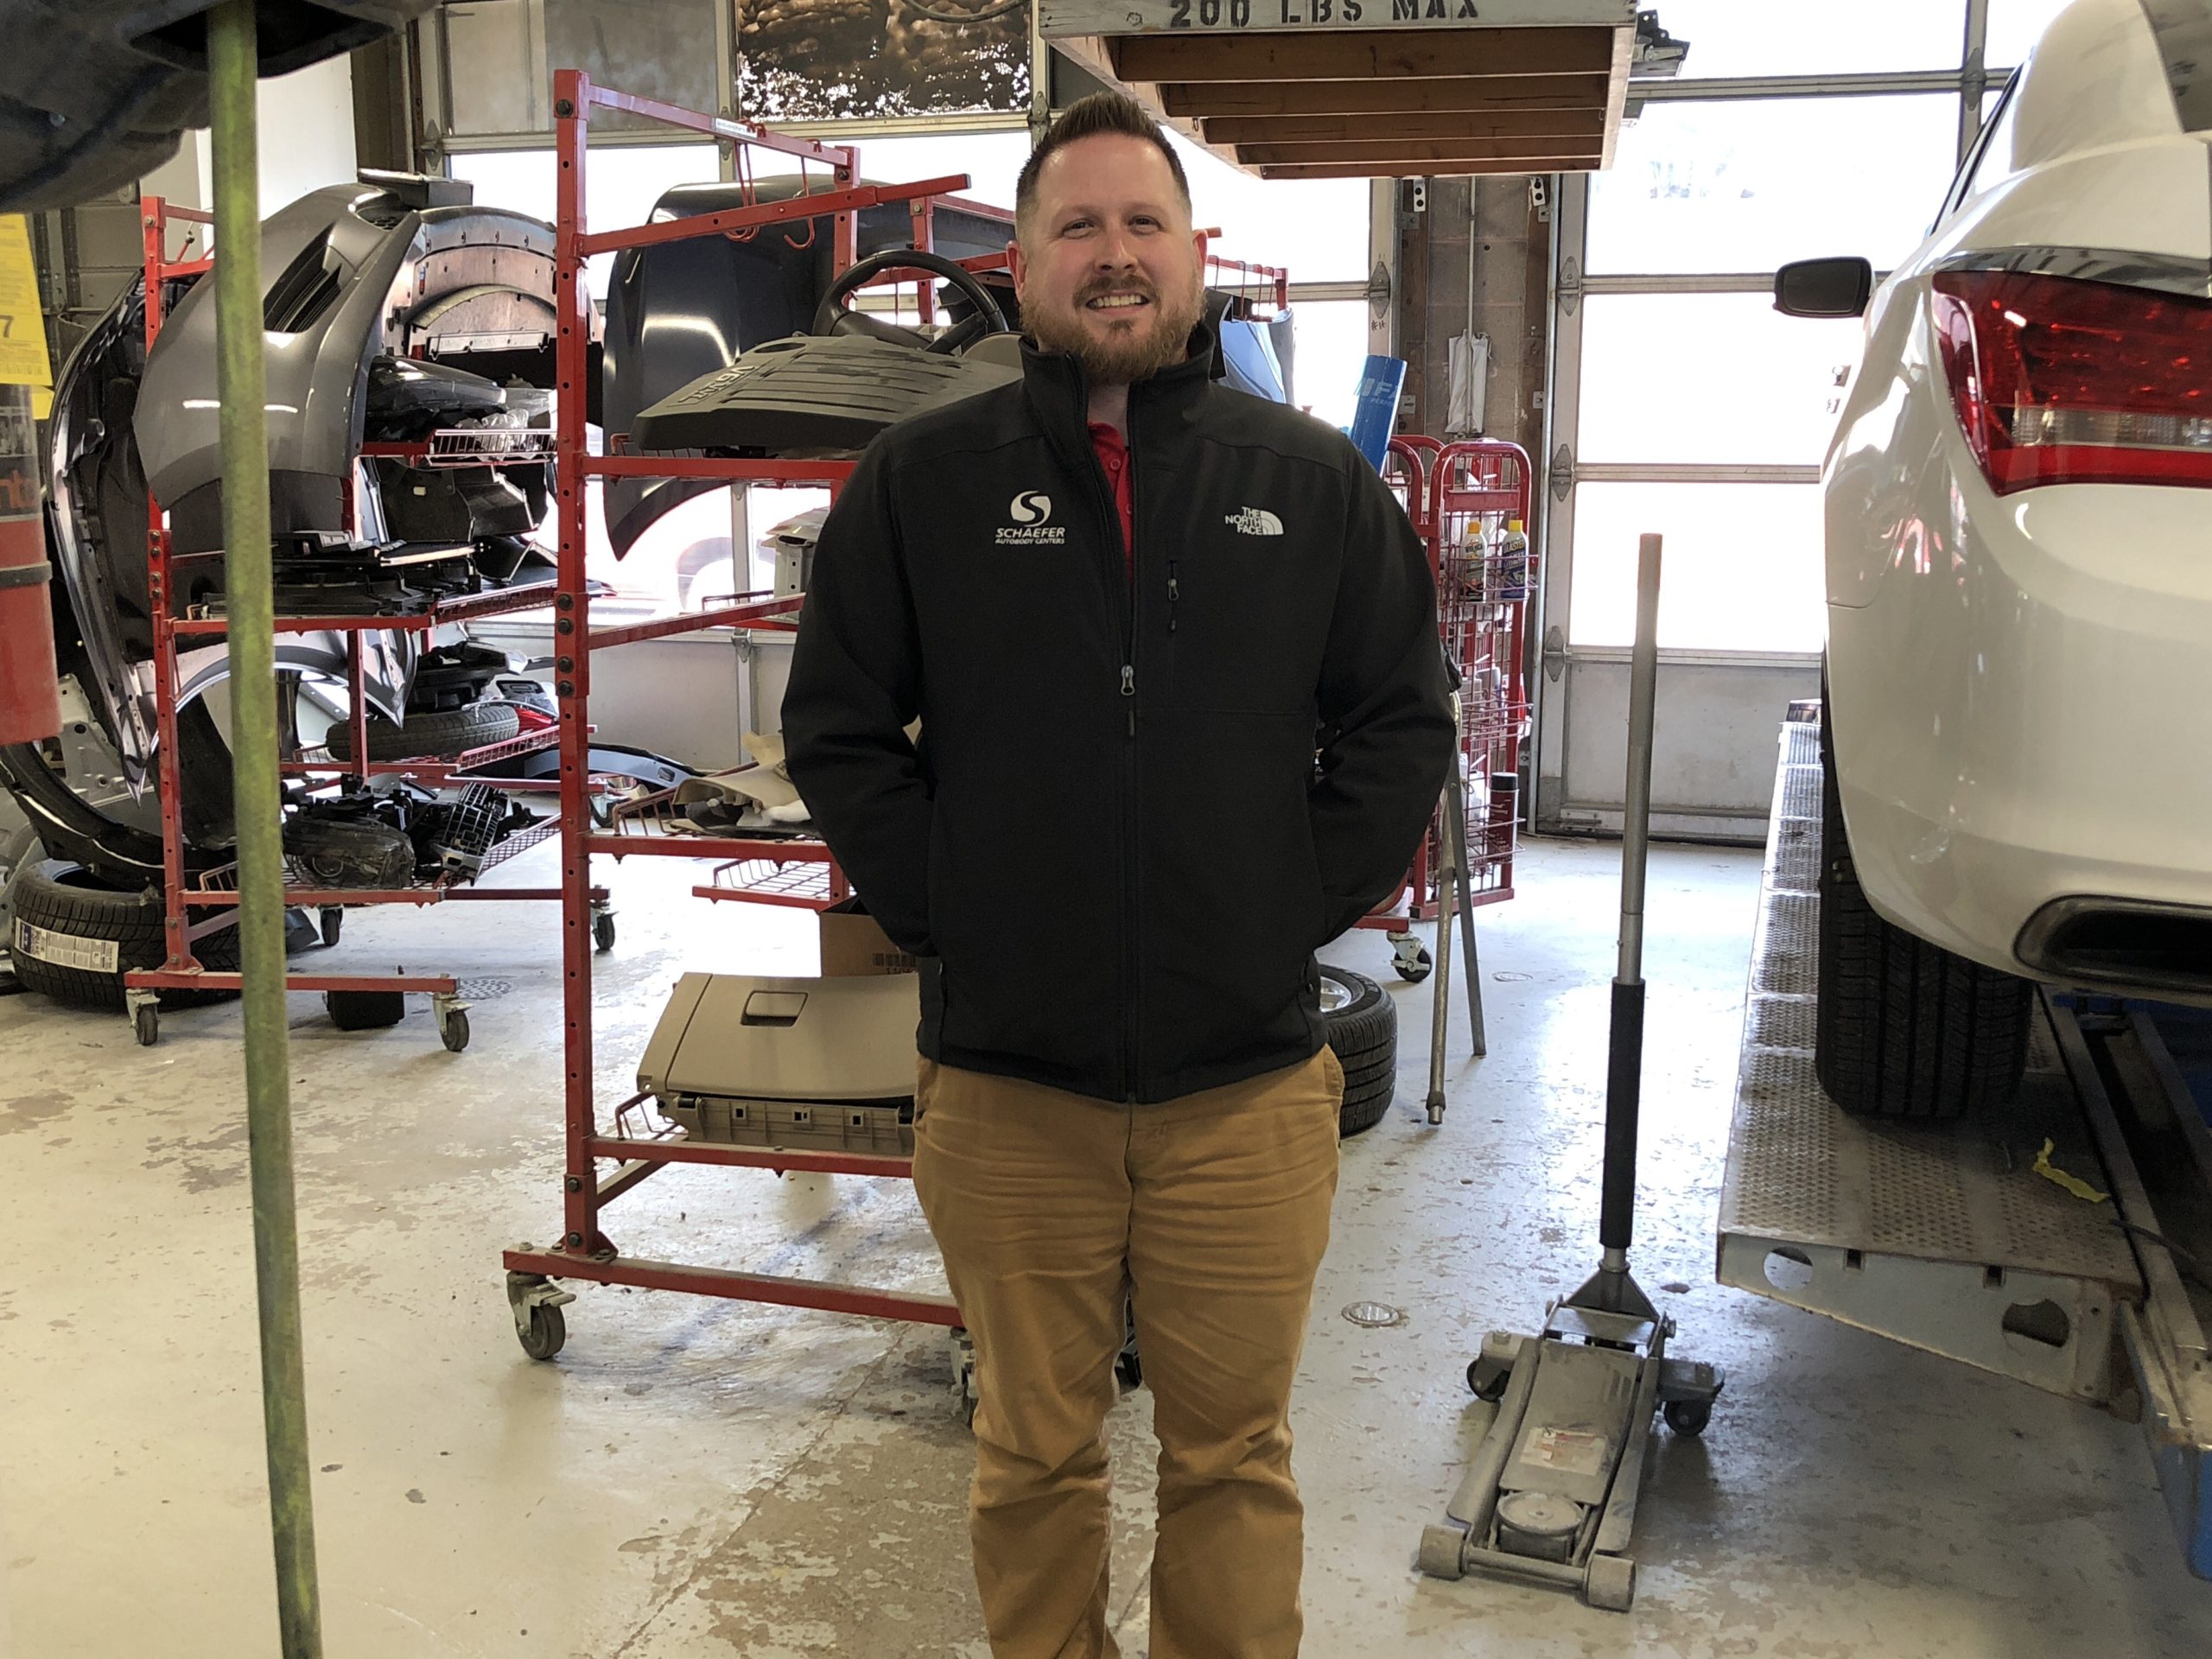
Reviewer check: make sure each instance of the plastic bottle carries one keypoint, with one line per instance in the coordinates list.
(1513, 561)
(1473, 560)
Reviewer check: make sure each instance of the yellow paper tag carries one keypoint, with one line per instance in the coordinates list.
(2074, 1184)
(22, 325)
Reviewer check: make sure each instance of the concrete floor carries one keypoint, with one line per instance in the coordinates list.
(712, 1479)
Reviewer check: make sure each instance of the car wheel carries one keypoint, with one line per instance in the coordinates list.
(437, 734)
(74, 938)
(1361, 1023)
(1904, 1029)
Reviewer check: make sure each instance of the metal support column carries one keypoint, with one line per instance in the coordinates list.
(232, 71)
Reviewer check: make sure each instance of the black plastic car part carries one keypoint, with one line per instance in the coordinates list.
(678, 310)
(807, 396)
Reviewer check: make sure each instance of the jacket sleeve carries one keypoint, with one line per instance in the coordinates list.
(855, 685)
(1385, 705)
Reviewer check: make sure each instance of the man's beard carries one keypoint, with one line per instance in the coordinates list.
(1130, 355)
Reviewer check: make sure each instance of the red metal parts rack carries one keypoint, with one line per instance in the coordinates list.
(1465, 500)
(198, 904)
(811, 878)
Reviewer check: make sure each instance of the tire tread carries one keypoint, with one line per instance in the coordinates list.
(1904, 1028)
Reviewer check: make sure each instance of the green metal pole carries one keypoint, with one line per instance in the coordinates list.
(233, 69)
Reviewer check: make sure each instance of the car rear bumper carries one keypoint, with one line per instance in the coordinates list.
(2024, 734)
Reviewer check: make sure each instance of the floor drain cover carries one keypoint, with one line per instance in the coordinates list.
(1374, 1315)
(483, 990)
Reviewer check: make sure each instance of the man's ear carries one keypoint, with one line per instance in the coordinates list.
(1018, 265)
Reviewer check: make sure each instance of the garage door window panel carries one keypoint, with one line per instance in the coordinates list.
(1750, 184)
(1742, 571)
(1759, 37)
(1716, 378)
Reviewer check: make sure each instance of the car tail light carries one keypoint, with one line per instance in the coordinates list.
(2058, 381)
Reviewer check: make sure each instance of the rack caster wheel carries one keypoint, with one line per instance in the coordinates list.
(1441, 1553)
(452, 1015)
(1414, 968)
(146, 1023)
(544, 1333)
(1688, 1417)
(540, 1326)
(332, 920)
(1609, 1583)
(602, 931)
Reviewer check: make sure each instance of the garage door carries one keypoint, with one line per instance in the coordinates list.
(1682, 403)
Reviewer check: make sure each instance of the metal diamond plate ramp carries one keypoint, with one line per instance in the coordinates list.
(1941, 1236)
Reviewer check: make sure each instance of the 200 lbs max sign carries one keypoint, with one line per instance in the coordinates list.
(1237, 14)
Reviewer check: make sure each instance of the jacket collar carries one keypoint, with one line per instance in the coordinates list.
(1061, 396)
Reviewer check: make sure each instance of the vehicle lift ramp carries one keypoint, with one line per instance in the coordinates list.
(1950, 1236)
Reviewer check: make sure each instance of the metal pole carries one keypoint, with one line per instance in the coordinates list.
(232, 70)
(572, 660)
(1455, 789)
(1624, 1072)
(1451, 851)
(1635, 819)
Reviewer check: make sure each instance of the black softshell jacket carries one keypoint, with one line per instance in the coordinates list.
(1111, 850)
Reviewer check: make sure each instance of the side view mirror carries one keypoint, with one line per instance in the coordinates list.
(1824, 288)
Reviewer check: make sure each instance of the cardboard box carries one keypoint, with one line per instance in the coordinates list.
(852, 945)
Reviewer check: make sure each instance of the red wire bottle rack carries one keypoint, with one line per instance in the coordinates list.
(212, 893)
(1484, 579)
(793, 873)
(1460, 499)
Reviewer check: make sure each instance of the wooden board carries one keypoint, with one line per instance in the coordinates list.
(1367, 88)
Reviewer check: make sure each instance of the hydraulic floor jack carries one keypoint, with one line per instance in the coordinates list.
(1551, 1494)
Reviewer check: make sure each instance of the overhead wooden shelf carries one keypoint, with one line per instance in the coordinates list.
(1341, 89)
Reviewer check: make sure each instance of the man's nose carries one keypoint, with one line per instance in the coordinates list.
(1116, 251)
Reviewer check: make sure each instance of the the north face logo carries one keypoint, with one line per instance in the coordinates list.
(1253, 521)
(1031, 512)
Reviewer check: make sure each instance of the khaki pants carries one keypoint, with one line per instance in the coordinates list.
(1210, 1213)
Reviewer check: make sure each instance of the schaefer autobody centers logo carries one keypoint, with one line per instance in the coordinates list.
(1032, 525)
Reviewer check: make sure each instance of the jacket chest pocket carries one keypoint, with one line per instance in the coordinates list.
(1248, 618)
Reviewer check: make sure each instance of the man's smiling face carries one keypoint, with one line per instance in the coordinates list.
(1106, 264)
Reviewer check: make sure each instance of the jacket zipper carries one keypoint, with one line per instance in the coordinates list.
(1123, 575)
(1135, 863)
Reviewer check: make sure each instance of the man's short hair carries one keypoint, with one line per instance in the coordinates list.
(1086, 119)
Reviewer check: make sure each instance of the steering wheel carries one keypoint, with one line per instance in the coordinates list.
(835, 316)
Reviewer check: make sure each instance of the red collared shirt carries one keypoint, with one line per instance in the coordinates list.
(1114, 457)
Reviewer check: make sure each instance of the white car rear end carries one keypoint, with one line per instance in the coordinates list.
(2019, 550)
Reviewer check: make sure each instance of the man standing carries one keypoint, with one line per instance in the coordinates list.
(1129, 607)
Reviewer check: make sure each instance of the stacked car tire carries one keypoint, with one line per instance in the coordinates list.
(72, 939)
(1362, 1029)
